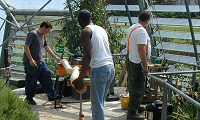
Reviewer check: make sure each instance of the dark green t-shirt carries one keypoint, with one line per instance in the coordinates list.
(36, 43)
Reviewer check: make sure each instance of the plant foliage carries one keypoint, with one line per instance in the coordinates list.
(70, 33)
(183, 110)
(12, 107)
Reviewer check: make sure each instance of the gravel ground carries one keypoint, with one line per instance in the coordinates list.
(70, 109)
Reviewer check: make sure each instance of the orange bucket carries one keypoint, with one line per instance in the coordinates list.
(124, 103)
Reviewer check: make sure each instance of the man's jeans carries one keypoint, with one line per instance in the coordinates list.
(41, 73)
(100, 80)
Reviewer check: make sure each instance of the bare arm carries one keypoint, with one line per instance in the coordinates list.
(51, 52)
(86, 43)
(28, 54)
(142, 53)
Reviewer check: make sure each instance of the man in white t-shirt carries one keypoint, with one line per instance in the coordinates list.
(138, 47)
(97, 55)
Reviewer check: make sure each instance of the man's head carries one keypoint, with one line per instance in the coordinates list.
(45, 27)
(84, 18)
(144, 18)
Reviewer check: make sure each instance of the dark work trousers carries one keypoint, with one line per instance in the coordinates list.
(41, 73)
(136, 87)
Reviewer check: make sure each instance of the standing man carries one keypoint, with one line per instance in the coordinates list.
(34, 64)
(97, 55)
(139, 48)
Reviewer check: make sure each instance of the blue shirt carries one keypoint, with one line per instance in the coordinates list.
(36, 43)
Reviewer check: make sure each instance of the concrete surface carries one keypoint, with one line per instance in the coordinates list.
(70, 111)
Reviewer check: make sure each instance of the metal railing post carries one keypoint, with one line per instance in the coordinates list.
(169, 99)
(194, 77)
(164, 104)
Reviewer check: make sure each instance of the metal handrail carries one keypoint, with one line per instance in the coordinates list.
(171, 73)
(170, 87)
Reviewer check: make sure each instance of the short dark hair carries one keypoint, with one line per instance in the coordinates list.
(144, 16)
(46, 24)
(84, 15)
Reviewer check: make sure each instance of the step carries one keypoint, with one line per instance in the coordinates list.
(154, 8)
(172, 68)
(17, 68)
(187, 60)
(177, 47)
(21, 33)
(17, 51)
(175, 34)
(19, 37)
(173, 8)
(110, 8)
(156, 21)
(18, 82)
(19, 91)
(17, 59)
(18, 74)
(18, 42)
(21, 51)
(175, 21)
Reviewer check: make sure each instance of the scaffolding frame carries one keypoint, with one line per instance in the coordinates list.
(11, 13)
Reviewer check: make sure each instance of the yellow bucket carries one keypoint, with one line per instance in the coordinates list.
(124, 102)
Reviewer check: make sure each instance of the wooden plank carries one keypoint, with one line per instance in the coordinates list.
(175, 34)
(173, 8)
(155, 21)
(17, 68)
(19, 37)
(121, 19)
(18, 51)
(122, 8)
(175, 21)
(177, 47)
(154, 8)
(21, 33)
(18, 42)
(17, 59)
(188, 60)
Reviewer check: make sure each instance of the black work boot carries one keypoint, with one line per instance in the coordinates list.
(30, 101)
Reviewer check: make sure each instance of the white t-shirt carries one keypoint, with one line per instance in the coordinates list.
(138, 36)
(100, 53)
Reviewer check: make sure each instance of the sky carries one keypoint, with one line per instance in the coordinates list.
(36, 4)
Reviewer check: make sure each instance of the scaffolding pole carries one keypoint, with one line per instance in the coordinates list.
(128, 12)
(41, 13)
(8, 21)
(8, 12)
(191, 31)
(193, 39)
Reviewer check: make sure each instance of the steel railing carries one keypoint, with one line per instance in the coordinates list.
(174, 89)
